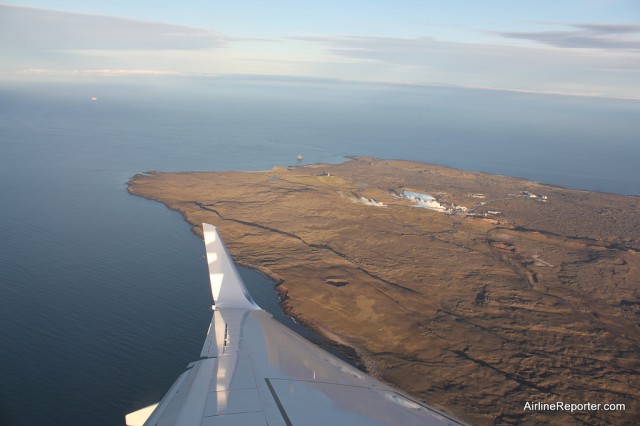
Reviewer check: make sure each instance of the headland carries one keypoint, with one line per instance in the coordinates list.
(476, 293)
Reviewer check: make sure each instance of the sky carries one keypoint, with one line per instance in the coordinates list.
(577, 47)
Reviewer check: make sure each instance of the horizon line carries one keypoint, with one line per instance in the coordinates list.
(123, 73)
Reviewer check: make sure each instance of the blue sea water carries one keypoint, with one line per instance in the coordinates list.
(104, 296)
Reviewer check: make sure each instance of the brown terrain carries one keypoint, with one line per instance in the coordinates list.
(531, 295)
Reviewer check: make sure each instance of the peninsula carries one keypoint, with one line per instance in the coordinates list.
(476, 293)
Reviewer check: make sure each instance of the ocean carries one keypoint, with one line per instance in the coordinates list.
(104, 296)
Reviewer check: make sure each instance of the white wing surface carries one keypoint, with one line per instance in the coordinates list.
(255, 371)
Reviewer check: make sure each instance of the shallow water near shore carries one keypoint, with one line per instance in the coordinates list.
(105, 296)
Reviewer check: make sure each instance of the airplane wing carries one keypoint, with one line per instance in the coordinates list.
(254, 371)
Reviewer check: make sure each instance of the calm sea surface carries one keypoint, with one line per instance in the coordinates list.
(104, 296)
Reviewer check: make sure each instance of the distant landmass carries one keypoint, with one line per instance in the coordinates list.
(474, 292)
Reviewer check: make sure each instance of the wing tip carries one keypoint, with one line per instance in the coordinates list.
(227, 287)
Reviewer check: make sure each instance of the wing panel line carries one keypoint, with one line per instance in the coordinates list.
(278, 403)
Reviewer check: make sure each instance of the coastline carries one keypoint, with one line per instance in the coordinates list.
(349, 352)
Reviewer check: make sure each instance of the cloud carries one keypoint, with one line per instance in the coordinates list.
(592, 72)
(610, 28)
(96, 72)
(469, 58)
(585, 36)
(34, 40)
(39, 29)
